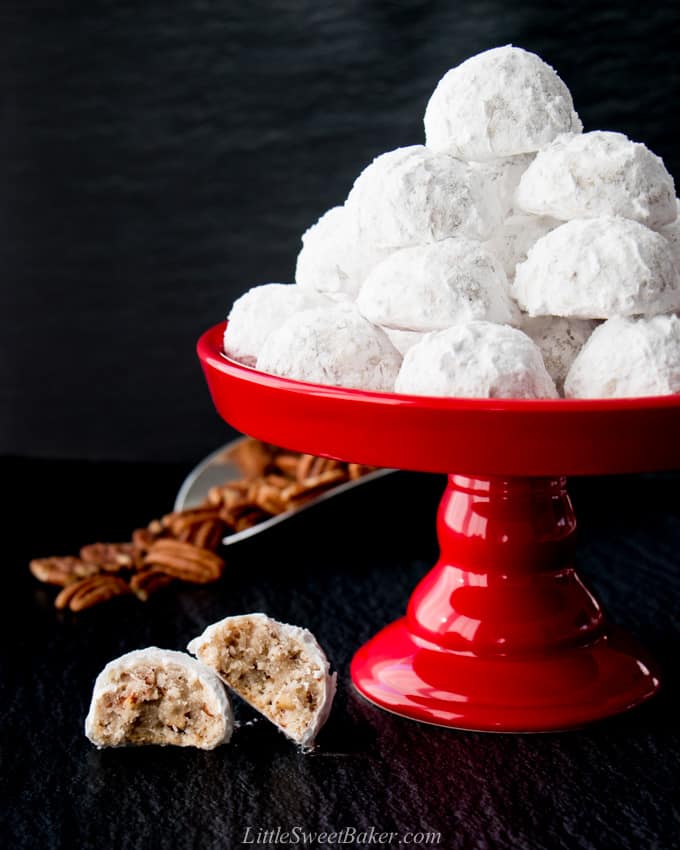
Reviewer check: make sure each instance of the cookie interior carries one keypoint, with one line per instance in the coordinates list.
(150, 704)
(272, 670)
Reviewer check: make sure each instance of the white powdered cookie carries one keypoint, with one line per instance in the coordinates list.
(596, 268)
(598, 173)
(256, 314)
(513, 239)
(336, 256)
(559, 340)
(335, 346)
(502, 102)
(157, 696)
(430, 287)
(410, 196)
(280, 670)
(476, 360)
(628, 358)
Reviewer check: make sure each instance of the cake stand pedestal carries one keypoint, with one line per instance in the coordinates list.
(501, 635)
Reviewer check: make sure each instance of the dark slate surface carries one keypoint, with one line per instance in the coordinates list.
(343, 573)
(158, 158)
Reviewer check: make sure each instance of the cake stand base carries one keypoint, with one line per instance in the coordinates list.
(564, 689)
(502, 635)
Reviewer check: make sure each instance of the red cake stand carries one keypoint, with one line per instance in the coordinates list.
(501, 635)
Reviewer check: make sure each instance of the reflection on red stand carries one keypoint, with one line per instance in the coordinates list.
(502, 635)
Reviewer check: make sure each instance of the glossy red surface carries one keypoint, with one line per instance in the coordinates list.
(501, 635)
(542, 693)
(475, 436)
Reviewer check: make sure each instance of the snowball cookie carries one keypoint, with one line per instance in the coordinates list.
(513, 239)
(627, 358)
(336, 256)
(411, 195)
(478, 359)
(256, 314)
(504, 175)
(501, 102)
(598, 173)
(157, 696)
(431, 287)
(672, 233)
(595, 268)
(335, 346)
(559, 341)
(280, 670)
(403, 340)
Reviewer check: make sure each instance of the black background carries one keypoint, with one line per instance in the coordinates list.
(159, 158)
(343, 571)
(156, 160)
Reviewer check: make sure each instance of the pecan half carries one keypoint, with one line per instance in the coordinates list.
(249, 520)
(251, 456)
(91, 591)
(357, 470)
(61, 570)
(231, 514)
(146, 582)
(311, 466)
(311, 487)
(110, 557)
(268, 498)
(276, 480)
(207, 534)
(288, 463)
(186, 520)
(227, 494)
(185, 561)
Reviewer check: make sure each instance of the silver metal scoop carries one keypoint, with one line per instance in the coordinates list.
(217, 469)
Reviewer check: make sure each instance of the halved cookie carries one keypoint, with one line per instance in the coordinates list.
(158, 696)
(280, 670)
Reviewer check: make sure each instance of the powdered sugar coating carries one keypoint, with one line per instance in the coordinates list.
(559, 341)
(334, 346)
(503, 175)
(430, 287)
(671, 232)
(628, 358)
(502, 102)
(478, 359)
(410, 196)
(336, 256)
(514, 238)
(596, 268)
(598, 173)
(403, 340)
(261, 310)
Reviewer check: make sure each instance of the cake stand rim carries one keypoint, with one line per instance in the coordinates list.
(471, 436)
(209, 352)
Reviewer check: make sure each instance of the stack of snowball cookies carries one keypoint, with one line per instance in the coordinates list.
(511, 256)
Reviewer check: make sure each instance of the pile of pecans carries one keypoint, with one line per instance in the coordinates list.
(181, 546)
